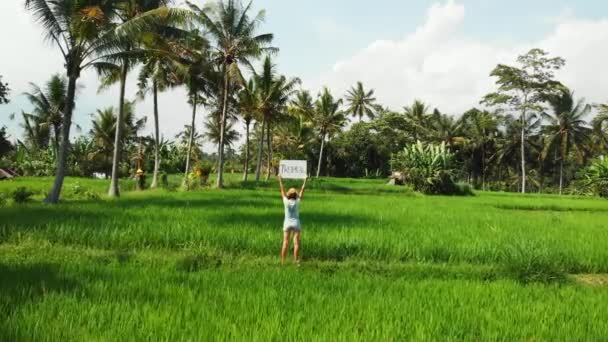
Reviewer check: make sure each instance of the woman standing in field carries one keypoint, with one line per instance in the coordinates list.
(291, 201)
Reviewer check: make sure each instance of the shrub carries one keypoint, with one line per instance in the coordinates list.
(22, 195)
(164, 179)
(427, 168)
(200, 175)
(194, 263)
(464, 189)
(82, 192)
(529, 263)
(596, 178)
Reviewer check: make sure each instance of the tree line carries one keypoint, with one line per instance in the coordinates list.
(530, 134)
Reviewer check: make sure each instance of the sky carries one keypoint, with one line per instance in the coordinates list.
(439, 51)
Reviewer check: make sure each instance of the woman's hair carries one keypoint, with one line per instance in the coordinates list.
(292, 193)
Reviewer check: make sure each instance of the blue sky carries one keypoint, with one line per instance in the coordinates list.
(313, 34)
(439, 51)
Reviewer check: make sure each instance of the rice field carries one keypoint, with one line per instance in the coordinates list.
(379, 263)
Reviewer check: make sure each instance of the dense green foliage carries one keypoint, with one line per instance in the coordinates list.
(596, 177)
(379, 262)
(4, 91)
(532, 136)
(427, 168)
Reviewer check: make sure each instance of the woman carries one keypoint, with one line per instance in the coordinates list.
(291, 201)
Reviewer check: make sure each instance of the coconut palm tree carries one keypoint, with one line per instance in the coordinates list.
(194, 69)
(303, 105)
(247, 107)
(361, 103)
(445, 128)
(600, 130)
(4, 91)
(509, 145)
(566, 130)
(36, 132)
(417, 116)
(157, 74)
(49, 104)
(234, 32)
(120, 60)
(273, 94)
(212, 130)
(294, 132)
(102, 132)
(189, 144)
(104, 129)
(328, 119)
(81, 30)
(481, 128)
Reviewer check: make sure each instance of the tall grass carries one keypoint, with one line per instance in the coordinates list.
(379, 263)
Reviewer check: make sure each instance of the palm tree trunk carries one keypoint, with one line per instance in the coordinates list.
(186, 183)
(246, 171)
(156, 137)
(258, 168)
(561, 175)
(321, 155)
(53, 196)
(114, 186)
(483, 167)
(220, 166)
(57, 133)
(269, 143)
(523, 152)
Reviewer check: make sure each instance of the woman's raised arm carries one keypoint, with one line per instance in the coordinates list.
(303, 188)
(282, 187)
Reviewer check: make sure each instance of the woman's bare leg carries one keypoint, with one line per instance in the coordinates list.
(296, 246)
(285, 246)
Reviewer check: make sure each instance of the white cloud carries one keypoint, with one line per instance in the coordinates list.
(451, 72)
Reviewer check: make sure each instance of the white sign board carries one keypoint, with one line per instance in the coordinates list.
(293, 169)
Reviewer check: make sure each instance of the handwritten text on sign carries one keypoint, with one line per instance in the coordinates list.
(293, 169)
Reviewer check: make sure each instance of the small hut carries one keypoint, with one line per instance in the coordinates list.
(7, 174)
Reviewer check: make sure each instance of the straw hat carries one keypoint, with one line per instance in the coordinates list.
(292, 192)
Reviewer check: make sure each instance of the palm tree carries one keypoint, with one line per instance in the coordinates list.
(81, 29)
(194, 69)
(236, 42)
(303, 105)
(36, 132)
(273, 94)
(119, 60)
(190, 143)
(361, 103)
(328, 119)
(445, 128)
(158, 69)
(294, 132)
(509, 144)
(566, 130)
(104, 129)
(600, 130)
(417, 117)
(49, 104)
(481, 128)
(247, 106)
(212, 130)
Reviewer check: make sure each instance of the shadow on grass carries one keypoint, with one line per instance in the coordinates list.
(39, 216)
(523, 207)
(325, 187)
(311, 221)
(21, 285)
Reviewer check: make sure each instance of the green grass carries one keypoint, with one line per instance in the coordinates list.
(379, 263)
